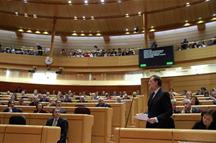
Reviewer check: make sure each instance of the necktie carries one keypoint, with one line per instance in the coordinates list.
(153, 95)
(55, 121)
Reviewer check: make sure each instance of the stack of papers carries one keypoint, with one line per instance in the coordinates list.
(142, 116)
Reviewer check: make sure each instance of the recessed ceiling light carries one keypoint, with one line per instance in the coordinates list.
(29, 31)
(45, 32)
(119, 1)
(75, 18)
(37, 32)
(16, 13)
(187, 4)
(25, 14)
(69, 2)
(34, 16)
(213, 19)
(152, 29)
(20, 30)
(98, 33)
(126, 29)
(140, 13)
(25, 1)
(84, 18)
(102, 1)
(74, 33)
(187, 23)
(86, 2)
(207, 0)
(92, 18)
(127, 15)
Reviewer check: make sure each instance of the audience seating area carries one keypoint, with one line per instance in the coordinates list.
(135, 135)
(100, 126)
(28, 133)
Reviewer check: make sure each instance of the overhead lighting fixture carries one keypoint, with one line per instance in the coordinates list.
(25, 1)
(188, 4)
(45, 32)
(37, 32)
(135, 32)
(127, 15)
(92, 18)
(187, 23)
(152, 29)
(75, 18)
(20, 30)
(70, 2)
(29, 31)
(213, 19)
(207, 0)
(84, 18)
(86, 2)
(200, 21)
(98, 33)
(25, 15)
(102, 1)
(119, 1)
(82, 33)
(74, 33)
(126, 29)
(16, 13)
(34, 16)
(139, 13)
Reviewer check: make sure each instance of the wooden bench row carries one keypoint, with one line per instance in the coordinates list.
(29, 133)
(136, 135)
(182, 121)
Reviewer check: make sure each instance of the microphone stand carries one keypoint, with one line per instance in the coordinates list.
(129, 112)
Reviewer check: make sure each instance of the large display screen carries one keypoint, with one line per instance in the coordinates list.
(156, 57)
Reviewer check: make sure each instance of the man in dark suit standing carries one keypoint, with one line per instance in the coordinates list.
(60, 122)
(159, 106)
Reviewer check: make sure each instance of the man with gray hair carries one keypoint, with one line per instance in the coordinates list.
(188, 108)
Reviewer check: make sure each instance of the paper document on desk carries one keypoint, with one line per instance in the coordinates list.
(142, 116)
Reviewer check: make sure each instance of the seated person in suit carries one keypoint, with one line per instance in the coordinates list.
(207, 121)
(11, 108)
(58, 106)
(39, 108)
(82, 99)
(56, 120)
(82, 109)
(101, 103)
(44, 98)
(34, 101)
(187, 107)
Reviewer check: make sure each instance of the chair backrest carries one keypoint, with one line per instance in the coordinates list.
(17, 120)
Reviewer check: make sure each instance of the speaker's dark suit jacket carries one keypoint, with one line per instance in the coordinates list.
(160, 106)
(63, 124)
